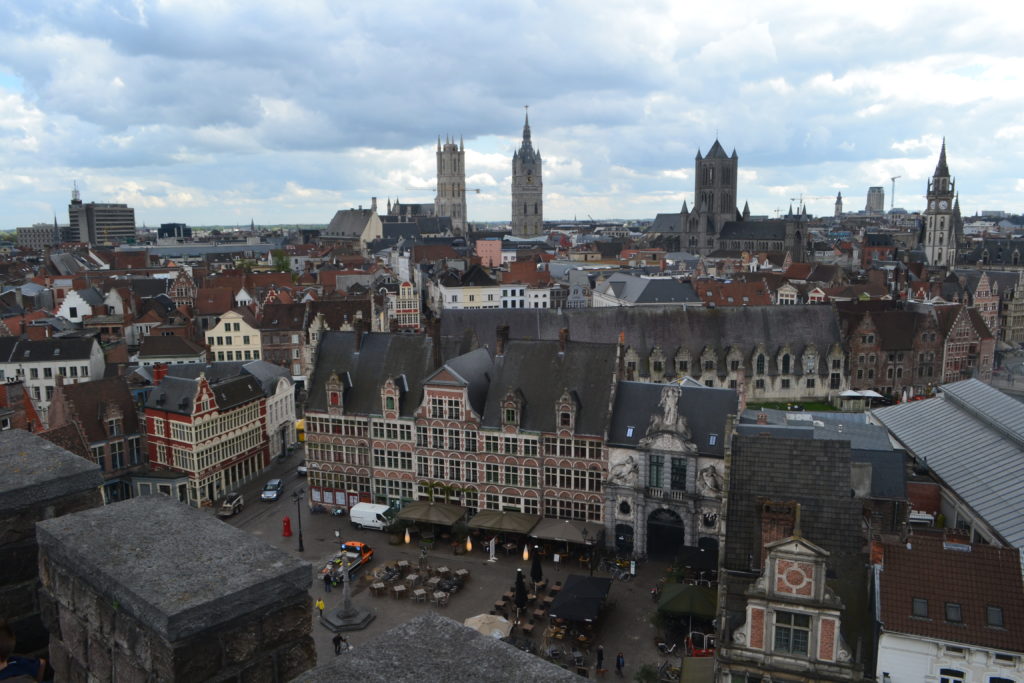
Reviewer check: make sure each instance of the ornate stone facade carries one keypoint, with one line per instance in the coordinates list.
(451, 184)
(527, 188)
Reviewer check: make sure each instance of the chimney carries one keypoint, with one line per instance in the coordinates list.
(501, 340)
(762, 418)
(563, 339)
(373, 204)
(159, 372)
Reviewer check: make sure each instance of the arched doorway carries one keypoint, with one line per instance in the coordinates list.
(624, 539)
(666, 533)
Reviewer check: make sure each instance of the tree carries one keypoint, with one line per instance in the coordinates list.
(281, 260)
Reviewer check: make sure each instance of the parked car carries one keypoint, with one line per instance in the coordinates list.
(301, 469)
(232, 504)
(272, 490)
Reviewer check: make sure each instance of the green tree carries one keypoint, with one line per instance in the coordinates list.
(281, 260)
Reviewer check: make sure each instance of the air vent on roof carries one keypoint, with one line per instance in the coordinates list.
(959, 547)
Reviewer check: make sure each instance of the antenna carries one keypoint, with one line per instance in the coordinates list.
(75, 195)
(892, 199)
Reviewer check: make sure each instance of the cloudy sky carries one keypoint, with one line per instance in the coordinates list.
(217, 112)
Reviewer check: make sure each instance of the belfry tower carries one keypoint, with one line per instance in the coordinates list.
(451, 183)
(527, 188)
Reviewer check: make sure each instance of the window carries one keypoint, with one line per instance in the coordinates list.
(564, 419)
(994, 616)
(792, 632)
(785, 384)
(810, 383)
(47, 373)
(951, 676)
(33, 373)
(245, 339)
(759, 384)
(953, 613)
(389, 403)
(920, 608)
(760, 364)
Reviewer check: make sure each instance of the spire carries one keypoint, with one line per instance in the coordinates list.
(462, 147)
(790, 209)
(526, 125)
(438, 143)
(746, 209)
(685, 210)
(839, 196)
(941, 169)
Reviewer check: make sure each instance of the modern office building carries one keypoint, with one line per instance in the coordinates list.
(94, 223)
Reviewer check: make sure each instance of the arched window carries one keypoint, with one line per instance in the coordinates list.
(760, 363)
(785, 364)
(389, 403)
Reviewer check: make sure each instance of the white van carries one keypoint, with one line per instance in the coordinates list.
(371, 516)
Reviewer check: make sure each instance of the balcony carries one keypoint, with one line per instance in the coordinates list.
(666, 494)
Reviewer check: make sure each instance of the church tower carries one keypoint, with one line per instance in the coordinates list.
(941, 220)
(839, 205)
(714, 199)
(451, 184)
(527, 188)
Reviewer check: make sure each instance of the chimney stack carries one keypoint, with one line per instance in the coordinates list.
(159, 372)
(563, 339)
(501, 340)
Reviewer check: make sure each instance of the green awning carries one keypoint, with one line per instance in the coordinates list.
(680, 599)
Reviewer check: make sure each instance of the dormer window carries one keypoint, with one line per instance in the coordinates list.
(511, 416)
(335, 398)
(114, 426)
(565, 419)
(389, 403)
(994, 616)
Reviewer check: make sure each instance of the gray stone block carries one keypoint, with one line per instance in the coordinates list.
(177, 571)
(37, 472)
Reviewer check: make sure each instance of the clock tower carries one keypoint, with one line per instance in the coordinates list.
(527, 188)
(451, 183)
(941, 216)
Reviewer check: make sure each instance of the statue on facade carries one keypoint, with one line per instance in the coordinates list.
(710, 481)
(623, 471)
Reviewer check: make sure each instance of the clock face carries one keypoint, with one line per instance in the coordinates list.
(943, 204)
(933, 204)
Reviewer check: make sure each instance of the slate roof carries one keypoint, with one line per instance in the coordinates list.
(1000, 252)
(283, 317)
(174, 394)
(668, 327)
(382, 355)
(13, 350)
(147, 287)
(972, 437)
(942, 570)
(704, 408)
(639, 290)
(752, 230)
(90, 296)
(436, 648)
(542, 373)
(666, 223)
(349, 223)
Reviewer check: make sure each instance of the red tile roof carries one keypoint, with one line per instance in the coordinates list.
(214, 301)
(947, 569)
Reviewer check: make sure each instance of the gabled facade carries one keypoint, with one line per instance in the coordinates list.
(792, 621)
(215, 433)
(236, 336)
(40, 363)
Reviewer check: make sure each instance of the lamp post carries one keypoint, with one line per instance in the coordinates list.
(297, 497)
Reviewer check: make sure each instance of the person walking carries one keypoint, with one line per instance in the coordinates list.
(327, 582)
(620, 664)
(600, 660)
(320, 605)
(338, 640)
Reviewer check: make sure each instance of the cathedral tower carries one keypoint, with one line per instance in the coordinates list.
(714, 198)
(527, 188)
(451, 184)
(941, 216)
(839, 205)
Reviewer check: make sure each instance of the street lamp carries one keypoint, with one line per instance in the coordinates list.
(297, 497)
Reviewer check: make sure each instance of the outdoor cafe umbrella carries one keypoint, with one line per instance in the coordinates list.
(490, 625)
(432, 512)
(520, 592)
(681, 599)
(505, 521)
(536, 573)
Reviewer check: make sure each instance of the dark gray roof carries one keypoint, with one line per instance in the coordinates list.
(888, 472)
(705, 410)
(234, 392)
(382, 356)
(668, 327)
(1000, 252)
(147, 287)
(436, 648)
(37, 471)
(13, 350)
(639, 290)
(753, 230)
(90, 296)
(170, 345)
(174, 394)
(972, 437)
(349, 223)
(542, 374)
(476, 368)
(852, 427)
(666, 223)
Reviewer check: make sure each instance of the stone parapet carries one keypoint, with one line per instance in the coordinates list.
(40, 481)
(150, 589)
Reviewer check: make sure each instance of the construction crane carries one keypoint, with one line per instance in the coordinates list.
(892, 199)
